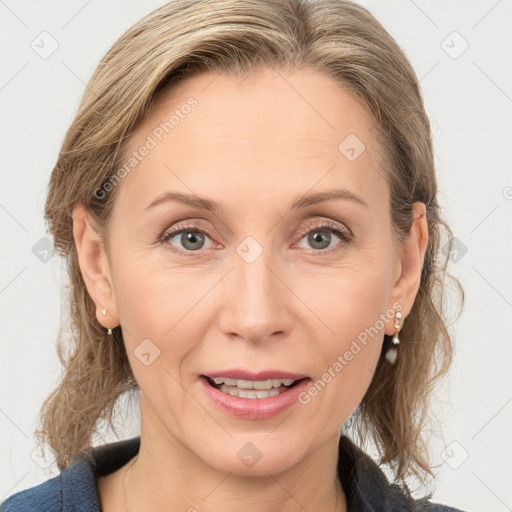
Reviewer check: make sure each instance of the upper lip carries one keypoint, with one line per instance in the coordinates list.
(240, 374)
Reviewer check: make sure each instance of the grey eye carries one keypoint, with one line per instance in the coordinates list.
(192, 240)
(320, 238)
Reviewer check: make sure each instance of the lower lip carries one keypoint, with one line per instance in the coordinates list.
(254, 408)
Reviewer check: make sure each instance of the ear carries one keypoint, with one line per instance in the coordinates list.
(95, 267)
(406, 285)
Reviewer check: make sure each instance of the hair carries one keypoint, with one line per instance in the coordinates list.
(186, 37)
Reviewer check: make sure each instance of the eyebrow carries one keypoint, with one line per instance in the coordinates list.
(320, 197)
(190, 200)
(302, 202)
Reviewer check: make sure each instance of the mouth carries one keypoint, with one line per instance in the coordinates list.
(252, 389)
(253, 396)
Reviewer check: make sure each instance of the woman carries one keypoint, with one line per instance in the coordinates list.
(247, 202)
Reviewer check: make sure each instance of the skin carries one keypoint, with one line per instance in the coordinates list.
(254, 146)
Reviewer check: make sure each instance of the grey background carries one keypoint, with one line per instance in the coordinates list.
(468, 95)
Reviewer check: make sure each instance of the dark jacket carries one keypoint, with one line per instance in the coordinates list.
(74, 489)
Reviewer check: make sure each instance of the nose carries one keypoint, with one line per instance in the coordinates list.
(256, 303)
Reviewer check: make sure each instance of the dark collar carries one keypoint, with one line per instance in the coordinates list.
(365, 485)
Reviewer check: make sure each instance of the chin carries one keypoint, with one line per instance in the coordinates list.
(254, 458)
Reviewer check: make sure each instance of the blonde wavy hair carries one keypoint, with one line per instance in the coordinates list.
(185, 37)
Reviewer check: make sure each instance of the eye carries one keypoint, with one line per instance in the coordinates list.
(191, 238)
(320, 238)
(186, 239)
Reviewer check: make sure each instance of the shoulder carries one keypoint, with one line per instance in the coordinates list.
(367, 487)
(424, 505)
(46, 496)
(74, 489)
(396, 499)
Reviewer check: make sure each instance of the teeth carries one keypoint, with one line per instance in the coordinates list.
(254, 384)
(249, 393)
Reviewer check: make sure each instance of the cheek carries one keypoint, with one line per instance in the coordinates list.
(156, 309)
(350, 315)
(349, 298)
(161, 303)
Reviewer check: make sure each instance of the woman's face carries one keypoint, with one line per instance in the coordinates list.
(261, 271)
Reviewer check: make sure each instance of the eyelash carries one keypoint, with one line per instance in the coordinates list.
(343, 234)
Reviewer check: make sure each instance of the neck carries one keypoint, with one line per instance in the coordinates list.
(167, 475)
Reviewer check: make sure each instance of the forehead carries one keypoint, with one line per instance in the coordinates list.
(270, 127)
(265, 103)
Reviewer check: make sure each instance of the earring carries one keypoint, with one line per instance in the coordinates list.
(392, 352)
(398, 317)
(109, 330)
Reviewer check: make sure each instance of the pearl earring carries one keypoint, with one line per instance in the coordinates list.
(392, 353)
(109, 330)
